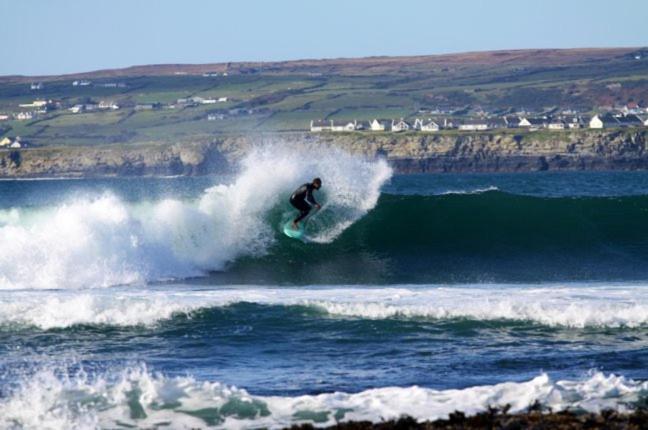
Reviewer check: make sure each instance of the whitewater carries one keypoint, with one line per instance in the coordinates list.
(178, 302)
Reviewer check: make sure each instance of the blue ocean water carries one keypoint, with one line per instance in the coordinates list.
(178, 303)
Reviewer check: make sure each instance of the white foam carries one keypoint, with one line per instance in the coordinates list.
(101, 241)
(471, 191)
(135, 397)
(553, 305)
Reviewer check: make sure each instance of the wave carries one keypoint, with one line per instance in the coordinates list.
(135, 397)
(554, 305)
(104, 241)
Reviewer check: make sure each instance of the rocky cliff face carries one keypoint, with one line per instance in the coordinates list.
(409, 152)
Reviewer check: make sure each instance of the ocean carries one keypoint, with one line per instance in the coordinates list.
(178, 303)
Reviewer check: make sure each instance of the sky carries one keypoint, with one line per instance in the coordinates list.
(40, 37)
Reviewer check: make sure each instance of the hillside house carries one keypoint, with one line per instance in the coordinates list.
(35, 103)
(604, 121)
(76, 109)
(362, 125)
(35, 86)
(556, 124)
(15, 144)
(643, 119)
(426, 125)
(343, 125)
(512, 121)
(532, 123)
(105, 105)
(573, 121)
(23, 116)
(474, 125)
(380, 125)
(4, 117)
(5, 141)
(222, 99)
(629, 121)
(320, 125)
(400, 125)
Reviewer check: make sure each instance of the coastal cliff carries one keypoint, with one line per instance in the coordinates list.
(499, 151)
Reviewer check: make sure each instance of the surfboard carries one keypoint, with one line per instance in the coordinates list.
(292, 233)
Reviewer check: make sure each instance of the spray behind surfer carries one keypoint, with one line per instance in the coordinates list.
(302, 200)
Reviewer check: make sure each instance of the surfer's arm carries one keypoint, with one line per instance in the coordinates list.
(311, 200)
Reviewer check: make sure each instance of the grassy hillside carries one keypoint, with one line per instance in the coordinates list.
(280, 97)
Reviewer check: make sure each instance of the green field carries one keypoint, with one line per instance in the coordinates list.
(288, 97)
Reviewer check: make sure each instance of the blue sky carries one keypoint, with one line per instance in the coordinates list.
(64, 36)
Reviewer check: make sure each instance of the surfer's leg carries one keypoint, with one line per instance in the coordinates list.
(304, 209)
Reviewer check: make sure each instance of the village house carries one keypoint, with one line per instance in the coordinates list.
(532, 123)
(629, 121)
(643, 119)
(604, 121)
(34, 86)
(343, 125)
(104, 105)
(23, 116)
(320, 125)
(222, 100)
(4, 117)
(380, 125)
(5, 141)
(573, 121)
(426, 125)
(474, 125)
(215, 116)
(512, 121)
(400, 125)
(76, 109)
(82, 83)
(556, 124)
(35, 103)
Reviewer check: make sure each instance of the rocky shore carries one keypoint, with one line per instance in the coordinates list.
(497, 419)
(501, 151)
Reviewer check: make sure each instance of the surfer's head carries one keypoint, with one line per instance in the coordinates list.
(317, 183)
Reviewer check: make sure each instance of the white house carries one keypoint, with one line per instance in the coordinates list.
(379, 125)
(426, 125)
(22, 116)
(36, 86)
(532, 123)
(76, 108)
(400, 125)
(15, 144)
(320, 125)
(208, 101)
(4, 117)
(343, 125)
(556, 124)
(5, 141)
(643, 118)
(35, 103)
(222, 99)
(108, 105)
(474, 125)
(603, 121)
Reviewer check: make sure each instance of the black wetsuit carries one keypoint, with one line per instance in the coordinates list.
(302, 199)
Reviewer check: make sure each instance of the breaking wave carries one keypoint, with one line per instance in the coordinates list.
(103, 241)
(550, 305)
(136, 397)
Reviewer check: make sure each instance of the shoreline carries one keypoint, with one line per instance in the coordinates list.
(480, 152)
(534, 418)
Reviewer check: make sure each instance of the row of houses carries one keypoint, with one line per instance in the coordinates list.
(482, 124)
(8, 142)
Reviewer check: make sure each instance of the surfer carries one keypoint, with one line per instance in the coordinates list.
(302, 199)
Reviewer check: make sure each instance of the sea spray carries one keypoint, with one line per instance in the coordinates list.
(136, 397)
(563, 306)
(101, 240)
